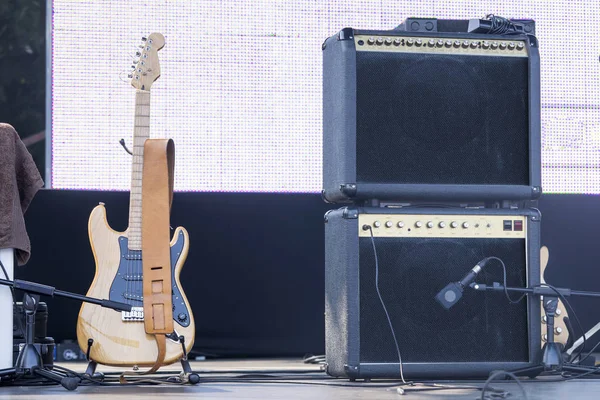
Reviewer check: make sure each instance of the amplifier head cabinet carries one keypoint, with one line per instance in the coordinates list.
(420, 251)
(422, 116)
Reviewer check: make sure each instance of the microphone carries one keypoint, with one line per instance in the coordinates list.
(451, 294)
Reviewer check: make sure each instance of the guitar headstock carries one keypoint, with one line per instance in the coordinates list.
(147, 68)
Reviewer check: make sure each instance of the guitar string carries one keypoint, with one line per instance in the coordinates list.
(141, 99)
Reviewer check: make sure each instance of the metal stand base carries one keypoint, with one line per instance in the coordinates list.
(186, 375)
(29, 362)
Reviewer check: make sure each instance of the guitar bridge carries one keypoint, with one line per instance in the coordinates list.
(136, 314)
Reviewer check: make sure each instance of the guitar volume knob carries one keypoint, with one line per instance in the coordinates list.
(182, 317)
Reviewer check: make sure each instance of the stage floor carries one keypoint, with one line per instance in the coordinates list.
(288, 379)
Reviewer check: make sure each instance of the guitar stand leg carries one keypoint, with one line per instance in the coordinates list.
(91, 368)
(192, 377)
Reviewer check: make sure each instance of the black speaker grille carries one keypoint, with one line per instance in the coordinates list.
(442, 119)
(482, 326)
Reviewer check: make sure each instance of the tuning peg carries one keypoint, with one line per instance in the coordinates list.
(129, 76)
(143, 38)
(137, 54)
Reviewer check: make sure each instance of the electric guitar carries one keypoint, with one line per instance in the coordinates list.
(119, 337)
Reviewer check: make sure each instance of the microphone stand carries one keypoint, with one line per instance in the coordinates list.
(552, 360)
(29, 362)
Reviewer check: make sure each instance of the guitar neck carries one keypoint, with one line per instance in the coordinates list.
(141, 132)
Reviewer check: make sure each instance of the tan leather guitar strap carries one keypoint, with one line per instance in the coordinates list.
(157, 196)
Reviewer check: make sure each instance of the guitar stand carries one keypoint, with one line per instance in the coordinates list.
(552, 352)
(186, 376)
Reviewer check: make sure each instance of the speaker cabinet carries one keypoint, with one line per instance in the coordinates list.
(419, 252)
(430, 116)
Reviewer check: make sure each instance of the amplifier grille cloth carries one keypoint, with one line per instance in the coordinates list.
(481, 326)
(442, 119)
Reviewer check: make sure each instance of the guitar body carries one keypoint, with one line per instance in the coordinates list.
(121, 342)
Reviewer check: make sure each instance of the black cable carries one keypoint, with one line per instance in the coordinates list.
(502, 373)
(577, 376)
(311, 359)
(12, 289)
(14, 297)
(589, 352)
(501, 25)
(234, 371)
(299, 382)
(510, 300)
(382, 302)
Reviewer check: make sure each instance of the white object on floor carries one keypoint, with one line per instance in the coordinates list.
(6, 310)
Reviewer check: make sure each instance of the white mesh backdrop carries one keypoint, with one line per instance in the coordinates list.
(240, 91)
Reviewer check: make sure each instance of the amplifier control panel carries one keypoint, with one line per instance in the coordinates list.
(433, 45)
(436, 225)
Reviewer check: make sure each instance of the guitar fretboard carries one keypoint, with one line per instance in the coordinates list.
(141, 132)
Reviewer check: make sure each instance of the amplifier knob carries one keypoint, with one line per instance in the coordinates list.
(453, 224)
(502, 46)
(376, 224)
(520, 46)
(431, 43)
(457, 43)
(389, 224)
(418, 224)
(388, 42)
(397, 42)
(465, 225)
(440, 43)
(379, 41)
(430, 224)
(442, 224)
(418, 42)
(511, 46)
(466, 43)
(494, 45)
(448, 43)
(474, 45)
(371, 40)
(400, 224)
(485, 44)
(410, 42)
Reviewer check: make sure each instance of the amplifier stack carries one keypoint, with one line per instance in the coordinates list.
(432, 146)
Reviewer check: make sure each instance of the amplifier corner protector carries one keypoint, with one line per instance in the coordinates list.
(326, 216)
(350, 213)
(348, 189)
(352, 371)
(346, 34)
